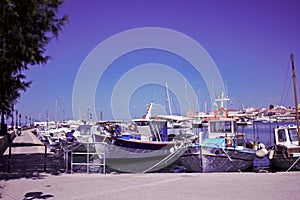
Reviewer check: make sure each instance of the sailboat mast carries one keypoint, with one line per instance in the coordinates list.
(168, 98)
(296, 98)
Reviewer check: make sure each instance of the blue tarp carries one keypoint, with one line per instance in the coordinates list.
(214, 141)
(164, 133)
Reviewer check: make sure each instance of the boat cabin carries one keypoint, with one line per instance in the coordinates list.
(151, 130)
(286, 135)
(224, 131)
(222, 128)
(286, 141)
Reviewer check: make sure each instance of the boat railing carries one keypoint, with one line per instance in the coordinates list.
(82, 157)
(90, 154)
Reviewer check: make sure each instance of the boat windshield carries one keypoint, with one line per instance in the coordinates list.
(84, 129)
(142, 123)
(222, 127)
(293, 134)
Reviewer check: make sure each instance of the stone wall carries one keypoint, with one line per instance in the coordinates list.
(4, 141)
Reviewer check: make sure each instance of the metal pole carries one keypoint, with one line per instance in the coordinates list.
(17, 120)
(296, 98)
(20, 124)
(103, 161)
(9, 158)
(87, 158)
(12, 118)
(45, 158)
(67, 160)
(201, 158)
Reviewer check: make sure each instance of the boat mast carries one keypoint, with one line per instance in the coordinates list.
(296, 98)
(168, 99)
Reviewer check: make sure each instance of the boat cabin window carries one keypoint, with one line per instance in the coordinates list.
(142, 123)
(281, 135)
(293, 135)
(84, 130)
(221, 127)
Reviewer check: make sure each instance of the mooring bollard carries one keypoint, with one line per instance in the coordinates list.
(45, 158)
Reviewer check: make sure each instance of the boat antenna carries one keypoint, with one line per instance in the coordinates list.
(296, 98)
(149, 111)
(63, 109)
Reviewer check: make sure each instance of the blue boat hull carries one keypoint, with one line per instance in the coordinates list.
(215, 159)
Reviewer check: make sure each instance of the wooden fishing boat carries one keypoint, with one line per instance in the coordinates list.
(224, 150)
(285, 154)
(142, 152)
(145, 147)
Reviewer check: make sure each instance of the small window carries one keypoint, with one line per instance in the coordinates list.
(220, 127)
(82, 130)
(281, 136)
(227, 126)
(293, 134)
(88, 131)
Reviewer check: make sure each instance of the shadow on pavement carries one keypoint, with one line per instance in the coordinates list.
(37, 195)
(30, 166)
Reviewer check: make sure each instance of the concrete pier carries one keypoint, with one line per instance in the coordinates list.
(28, 180)
(28, 158)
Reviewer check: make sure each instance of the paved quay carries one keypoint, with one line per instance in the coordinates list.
(27, 158)
(28, 180)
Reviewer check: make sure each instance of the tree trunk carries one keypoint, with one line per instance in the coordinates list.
(2, 131)
(2, 118)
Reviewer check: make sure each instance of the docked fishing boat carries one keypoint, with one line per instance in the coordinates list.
(144, 146)
(223, 149)
(226, 150)
(285, 154)
(146, 150)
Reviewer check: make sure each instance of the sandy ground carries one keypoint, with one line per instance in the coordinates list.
(28, 181)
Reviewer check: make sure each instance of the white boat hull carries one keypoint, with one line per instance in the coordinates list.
(138, 160)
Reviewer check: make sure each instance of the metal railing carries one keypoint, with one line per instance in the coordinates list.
(83, 154)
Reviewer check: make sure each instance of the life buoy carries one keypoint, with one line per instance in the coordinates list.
(217, 111)
(132, 127)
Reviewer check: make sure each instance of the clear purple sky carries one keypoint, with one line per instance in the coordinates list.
(250, 42)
